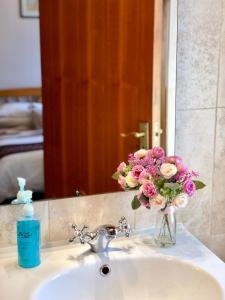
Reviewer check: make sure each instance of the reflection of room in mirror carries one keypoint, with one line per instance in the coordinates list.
(21, 132)
(21, 142)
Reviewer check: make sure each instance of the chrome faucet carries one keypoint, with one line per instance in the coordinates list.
(100, 238)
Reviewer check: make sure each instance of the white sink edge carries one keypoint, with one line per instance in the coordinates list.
(55, 260)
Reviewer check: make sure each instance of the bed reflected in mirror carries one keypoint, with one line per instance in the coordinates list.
(21, 142)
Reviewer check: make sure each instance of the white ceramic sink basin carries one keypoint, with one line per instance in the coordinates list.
(146, 278)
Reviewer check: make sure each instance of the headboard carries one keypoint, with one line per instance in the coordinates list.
(31, 94)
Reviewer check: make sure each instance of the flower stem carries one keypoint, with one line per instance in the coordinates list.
(168, 226)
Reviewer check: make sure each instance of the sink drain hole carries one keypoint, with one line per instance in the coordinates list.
(105, 270)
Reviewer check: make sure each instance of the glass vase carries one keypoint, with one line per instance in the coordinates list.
(165, 230)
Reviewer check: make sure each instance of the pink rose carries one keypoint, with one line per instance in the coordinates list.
(180, 176)
(152, 170)
(143, 177)
(149, 189)
(158, 152)
(181, 167)
(189, 187)
(143, 202)
(122, 182)
(136, 171)
(182, 172)
(121, 167)
(194, 173)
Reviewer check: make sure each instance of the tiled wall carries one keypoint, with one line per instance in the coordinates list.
(200, 139)
(57, 216)
(200, 113)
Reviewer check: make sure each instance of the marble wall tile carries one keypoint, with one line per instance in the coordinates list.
(196, 217)
(195, 143)
(199, 24)
(217, 245)
(221, 87)
(200, 76)
(144, 218)
(218, 215)
(88, 210)
(195, 140)
(8, 217)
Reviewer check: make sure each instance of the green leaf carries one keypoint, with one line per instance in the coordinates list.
(127, 169)
(145, 200)
(116, 175)
(172, 185)
(135, 204)
(199, 184)
(159, 184)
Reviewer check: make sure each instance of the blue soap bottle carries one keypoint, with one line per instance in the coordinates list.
(28, 236)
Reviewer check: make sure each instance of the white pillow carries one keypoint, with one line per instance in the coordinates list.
(14, 122)
(15, 109)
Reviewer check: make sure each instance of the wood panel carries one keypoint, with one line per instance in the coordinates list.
(97, 83)
(21, 92)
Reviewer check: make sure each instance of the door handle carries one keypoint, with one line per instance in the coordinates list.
(137, 135)
(142, 135)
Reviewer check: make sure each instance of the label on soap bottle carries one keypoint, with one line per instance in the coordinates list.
(28, 242)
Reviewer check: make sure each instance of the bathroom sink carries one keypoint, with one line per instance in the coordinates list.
(145, 278)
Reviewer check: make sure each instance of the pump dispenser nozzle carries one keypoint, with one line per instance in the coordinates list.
(22, 195)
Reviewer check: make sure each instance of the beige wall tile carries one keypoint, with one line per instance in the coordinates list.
(198, 53)
(41, 210)
(195, 143)
(217, 245)
(200, 73)
(144, 218)
(195, 140)
(88, 210)
(196, 217)
(8, 217)
(218, 214)
(221, 87)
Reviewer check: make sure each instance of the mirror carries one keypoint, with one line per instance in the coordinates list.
(103, 92)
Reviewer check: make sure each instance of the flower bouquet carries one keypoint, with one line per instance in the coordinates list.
(161, 181)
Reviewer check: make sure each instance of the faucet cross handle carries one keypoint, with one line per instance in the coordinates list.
(124, 226)
(80, 233)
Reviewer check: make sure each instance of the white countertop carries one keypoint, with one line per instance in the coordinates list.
(17, 283)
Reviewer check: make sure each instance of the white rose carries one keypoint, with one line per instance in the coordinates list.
(159, 201)
(131, 181)
(181, 200)
(168, 170)
(140, 153)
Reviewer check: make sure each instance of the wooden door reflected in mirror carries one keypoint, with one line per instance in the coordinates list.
(97, 74)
